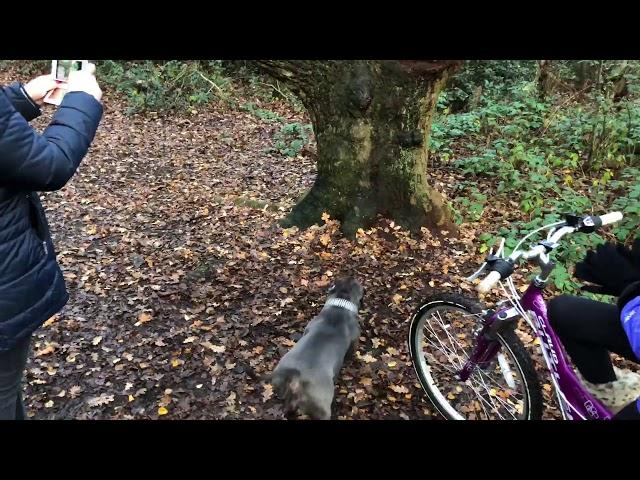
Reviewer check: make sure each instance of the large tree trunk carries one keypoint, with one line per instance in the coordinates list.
(371, 121)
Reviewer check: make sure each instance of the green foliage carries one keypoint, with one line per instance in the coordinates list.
(263, 114)
(174, 85)
(170, 85)
(571, 152)
(292, 138)
(473, 205)
(258, 85)
(628, 201)
(491, 77)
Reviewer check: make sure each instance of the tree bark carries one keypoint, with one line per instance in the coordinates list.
(372, 121)
(545, 80)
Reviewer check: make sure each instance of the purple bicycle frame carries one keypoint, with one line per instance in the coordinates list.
(576, 403)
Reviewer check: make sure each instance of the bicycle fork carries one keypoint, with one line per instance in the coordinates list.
(487, 347)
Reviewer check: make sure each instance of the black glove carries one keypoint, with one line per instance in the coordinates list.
(632, 255)
(610, 268)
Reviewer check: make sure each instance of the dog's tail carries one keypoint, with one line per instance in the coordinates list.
(288, 386)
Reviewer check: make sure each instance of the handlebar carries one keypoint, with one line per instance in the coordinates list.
(489, 281)
(610, 218)
(502, 268)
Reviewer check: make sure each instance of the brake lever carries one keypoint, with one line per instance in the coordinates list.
(475, 275)
(483, 267)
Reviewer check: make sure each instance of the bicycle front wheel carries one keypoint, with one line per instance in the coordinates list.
(441, 339)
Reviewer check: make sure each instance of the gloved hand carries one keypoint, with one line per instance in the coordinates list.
(610, 268)
(632, 255)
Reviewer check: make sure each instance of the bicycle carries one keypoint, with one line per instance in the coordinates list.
(475, 366)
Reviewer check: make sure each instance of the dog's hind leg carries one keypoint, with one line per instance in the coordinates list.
(288, 388)
(319, 398)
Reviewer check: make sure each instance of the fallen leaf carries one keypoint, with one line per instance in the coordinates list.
(267, 392)
(214, 348)
(399, 388)
(75, 391)
(325, 239)
(367, 358)
(50, 322)
(286, 301)
(103, 399)
(46, 350)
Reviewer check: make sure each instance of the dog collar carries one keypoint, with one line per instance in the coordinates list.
(342, 303)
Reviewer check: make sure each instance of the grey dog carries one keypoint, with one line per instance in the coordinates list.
(304, 378)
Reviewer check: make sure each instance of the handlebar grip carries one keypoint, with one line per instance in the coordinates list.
(611, 218)
(489, 281)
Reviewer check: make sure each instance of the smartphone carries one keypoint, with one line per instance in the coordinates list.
(61, 69)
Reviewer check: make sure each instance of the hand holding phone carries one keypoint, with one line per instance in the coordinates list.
(39, 87)
(85, 81)
(62, 71)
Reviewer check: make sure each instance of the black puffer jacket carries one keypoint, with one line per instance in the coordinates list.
(32, 288)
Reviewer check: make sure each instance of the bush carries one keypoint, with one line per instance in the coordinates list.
(170, 85)
(292, 138)
(491, 77)
(566, 153)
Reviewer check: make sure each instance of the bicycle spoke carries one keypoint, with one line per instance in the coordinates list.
(446, 350)
(509, 408)
(479, 395)
(452, 340)
(491, 379)
(448, 369)
(448, 358)
(488, 390)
